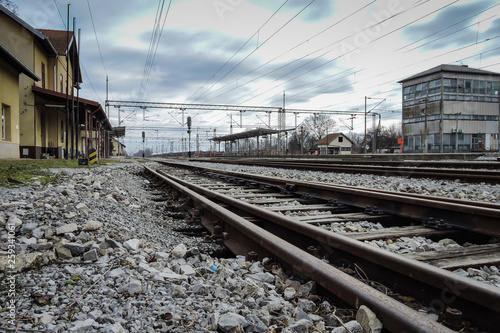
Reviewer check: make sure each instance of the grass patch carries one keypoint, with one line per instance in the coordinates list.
(25, 171)
(74, 279)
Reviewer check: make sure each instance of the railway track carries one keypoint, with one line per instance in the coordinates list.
(241, 222)
(486, 171)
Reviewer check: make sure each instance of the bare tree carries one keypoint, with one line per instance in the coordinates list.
(319, 125)
(358, 141)
(10, 6)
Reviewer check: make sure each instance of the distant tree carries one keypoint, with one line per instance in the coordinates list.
(357, 140)
(386, 137)
(10, 6)
(318, 125)
(296, 141)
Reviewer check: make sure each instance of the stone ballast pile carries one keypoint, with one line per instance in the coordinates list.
(443, 188)
(96, 254)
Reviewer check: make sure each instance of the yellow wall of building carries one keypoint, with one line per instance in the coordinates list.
(16, 39)
(38, 126)
(9, 98)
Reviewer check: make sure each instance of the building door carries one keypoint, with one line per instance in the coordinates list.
(478, 141)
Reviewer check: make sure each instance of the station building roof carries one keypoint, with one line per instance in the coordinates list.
(245, 135)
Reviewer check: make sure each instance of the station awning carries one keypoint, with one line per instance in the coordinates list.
(245, 135)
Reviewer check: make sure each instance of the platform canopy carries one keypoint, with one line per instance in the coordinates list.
(245, 135)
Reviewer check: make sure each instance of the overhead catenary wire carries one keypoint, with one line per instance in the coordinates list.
(359, 47)
(391, 73)
(253, 51)
(372, 41)
(96, 38)
(331, 44)
(286, 52)
(241, 47)
(153, 46)
(448, 27)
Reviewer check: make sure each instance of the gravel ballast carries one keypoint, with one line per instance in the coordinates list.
(95, 253)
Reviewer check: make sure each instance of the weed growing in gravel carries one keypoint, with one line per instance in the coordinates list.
(25, 171)
(74, 279)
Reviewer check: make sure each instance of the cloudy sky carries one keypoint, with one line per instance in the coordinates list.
(324, 54)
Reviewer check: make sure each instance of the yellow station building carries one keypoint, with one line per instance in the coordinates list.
(42, 115)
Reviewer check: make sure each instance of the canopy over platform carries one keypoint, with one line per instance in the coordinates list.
(245, 135)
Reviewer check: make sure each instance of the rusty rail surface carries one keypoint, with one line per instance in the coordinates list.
(395, 316)
(465, 215)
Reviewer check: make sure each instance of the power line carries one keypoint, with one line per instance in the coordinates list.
(449, 34)
(97, 39)
(446, 28)
(241, 47)
(288, 51)
(357, 48)
(88, 78)
(264, 42)
(60, 15)
(332, 44)
(153, 46)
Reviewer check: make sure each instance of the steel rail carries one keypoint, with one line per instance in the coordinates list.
(395, 316)
(456, 164)
(473, 175)
(470, 216)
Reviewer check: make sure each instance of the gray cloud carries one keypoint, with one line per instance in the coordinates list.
(318, 10)
(454, 36)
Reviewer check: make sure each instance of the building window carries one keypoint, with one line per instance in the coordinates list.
(5, 122)
(421, 90)
(464, 86)
(341, 139)
(43, 75)
(450, 85)
(435, 87)
(492, 88)
(62, 82)
(408, 92)
(62, 131)
(345, 148)
(479, 87)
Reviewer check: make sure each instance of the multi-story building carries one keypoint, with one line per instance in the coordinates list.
(49, 121)
(451, 108)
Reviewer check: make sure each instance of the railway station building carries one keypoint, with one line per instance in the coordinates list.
(49, 120)
(451, 108)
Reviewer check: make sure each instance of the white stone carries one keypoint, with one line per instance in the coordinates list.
(67, 228)
(230, 321)
(132, 244)
(133, 287)
(82, 207)
(368, 320)
(289, 293)
(187, 270)
(92, 226)
(114, 328)
(81, 326)
(116, 273)
(13, 221)
(179, 251)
